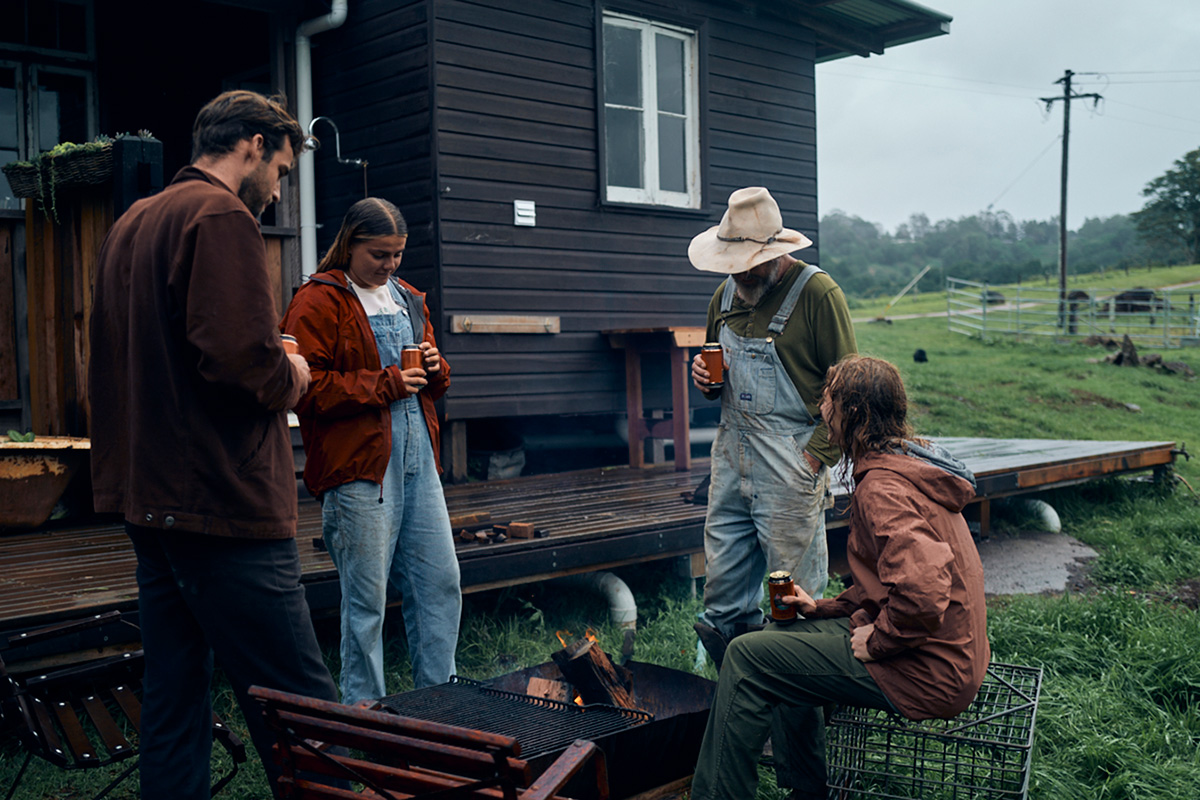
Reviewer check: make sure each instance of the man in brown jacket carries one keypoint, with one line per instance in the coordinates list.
(189, 385)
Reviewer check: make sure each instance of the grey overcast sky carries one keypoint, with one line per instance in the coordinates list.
(949, 125)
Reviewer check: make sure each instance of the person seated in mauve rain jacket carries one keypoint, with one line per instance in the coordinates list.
(908, 636)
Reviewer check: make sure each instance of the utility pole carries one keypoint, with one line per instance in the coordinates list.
(1067, 97)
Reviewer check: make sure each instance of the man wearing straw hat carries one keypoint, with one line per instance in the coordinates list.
(781, 324)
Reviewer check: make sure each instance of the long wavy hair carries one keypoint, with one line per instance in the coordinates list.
(868, 398)
(369, 218)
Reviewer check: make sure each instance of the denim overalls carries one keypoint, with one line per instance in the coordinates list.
(766, 507)
(397, 531)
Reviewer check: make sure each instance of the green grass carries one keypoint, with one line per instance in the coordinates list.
(934, 301)
(1120, 712)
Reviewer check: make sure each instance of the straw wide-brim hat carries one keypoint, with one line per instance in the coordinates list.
(750, 233)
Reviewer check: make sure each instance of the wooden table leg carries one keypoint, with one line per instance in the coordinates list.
(633, 406)
(680, 364)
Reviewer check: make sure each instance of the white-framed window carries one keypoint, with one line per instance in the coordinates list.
(651, 113)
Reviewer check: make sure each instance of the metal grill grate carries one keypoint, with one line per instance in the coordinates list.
(982, 754)
(540, 725)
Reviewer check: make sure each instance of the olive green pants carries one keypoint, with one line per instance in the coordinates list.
(797, 669)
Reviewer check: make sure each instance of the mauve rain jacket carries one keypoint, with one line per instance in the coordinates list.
(918, 578)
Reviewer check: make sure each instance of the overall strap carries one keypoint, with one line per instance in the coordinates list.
(416, 309)
(780, 320)
(727, 295)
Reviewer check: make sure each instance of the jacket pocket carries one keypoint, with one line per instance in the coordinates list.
(259, 432)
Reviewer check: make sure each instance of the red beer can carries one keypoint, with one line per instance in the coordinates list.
(714, 362)
(411, 357)
(780, 585)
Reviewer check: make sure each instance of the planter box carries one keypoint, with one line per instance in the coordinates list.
(34, 475)
(23, 178)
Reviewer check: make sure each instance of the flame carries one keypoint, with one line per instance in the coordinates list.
(578, 700)
(565, 636)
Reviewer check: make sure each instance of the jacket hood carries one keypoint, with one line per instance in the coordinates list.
(337, 277)
(937, 474)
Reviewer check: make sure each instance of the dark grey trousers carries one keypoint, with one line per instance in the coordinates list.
(240, 600)
(797, 669)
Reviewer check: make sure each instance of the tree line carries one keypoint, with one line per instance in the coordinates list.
(868, 261)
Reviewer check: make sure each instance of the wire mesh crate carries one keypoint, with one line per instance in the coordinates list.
(982, 754)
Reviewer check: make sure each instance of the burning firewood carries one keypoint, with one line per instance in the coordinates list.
(593, 674)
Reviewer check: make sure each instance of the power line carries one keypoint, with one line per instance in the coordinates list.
(1151, 111)
(1147, 72)
(1053, 142)
(1137, 83)
(925, 85)
(943, 77)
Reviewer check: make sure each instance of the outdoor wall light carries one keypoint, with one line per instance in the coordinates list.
(312, 144)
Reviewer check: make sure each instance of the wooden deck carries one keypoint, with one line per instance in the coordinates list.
(597, 519)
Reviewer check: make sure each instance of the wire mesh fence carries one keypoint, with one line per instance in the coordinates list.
(1168, 317)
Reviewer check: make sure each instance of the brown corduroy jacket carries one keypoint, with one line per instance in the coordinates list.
(918, 578)
(188, 380)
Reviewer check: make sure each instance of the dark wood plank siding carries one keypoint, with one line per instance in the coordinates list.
(516, 117)
(372, 78)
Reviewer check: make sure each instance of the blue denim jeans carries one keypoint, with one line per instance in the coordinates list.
(397, 532)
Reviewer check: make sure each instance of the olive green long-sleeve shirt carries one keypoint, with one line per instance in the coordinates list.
(817, 336)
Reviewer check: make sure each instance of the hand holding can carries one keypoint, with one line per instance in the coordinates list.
(714, 361)
(781, 585)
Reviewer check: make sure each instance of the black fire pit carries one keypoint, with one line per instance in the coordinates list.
(651, 747)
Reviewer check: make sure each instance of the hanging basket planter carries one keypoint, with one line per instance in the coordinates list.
(66, 166)
(23, 178)
(84, 165)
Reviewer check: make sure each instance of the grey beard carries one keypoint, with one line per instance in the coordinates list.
(753, 294)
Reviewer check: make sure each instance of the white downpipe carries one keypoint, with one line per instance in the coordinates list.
(304, 114)
(622, 608)
(1042, 510)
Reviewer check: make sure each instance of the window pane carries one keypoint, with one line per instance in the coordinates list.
(622, 57)
(8, 110)
(623, 140)
(672, 153)
(62, 109)
(670, 73)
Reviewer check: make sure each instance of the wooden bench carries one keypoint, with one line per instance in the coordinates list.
(398, 757)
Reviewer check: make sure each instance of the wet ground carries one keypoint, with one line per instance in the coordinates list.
(1033, 562)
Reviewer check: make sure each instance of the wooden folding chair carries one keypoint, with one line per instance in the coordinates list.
(85, 715)
(403, 757)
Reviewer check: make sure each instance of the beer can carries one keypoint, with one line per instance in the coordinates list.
(411, 357)
(714, 362)
(780, 585)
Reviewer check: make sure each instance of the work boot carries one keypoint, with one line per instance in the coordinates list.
(714, 642)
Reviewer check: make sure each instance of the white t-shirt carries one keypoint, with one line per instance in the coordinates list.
(378, 300)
